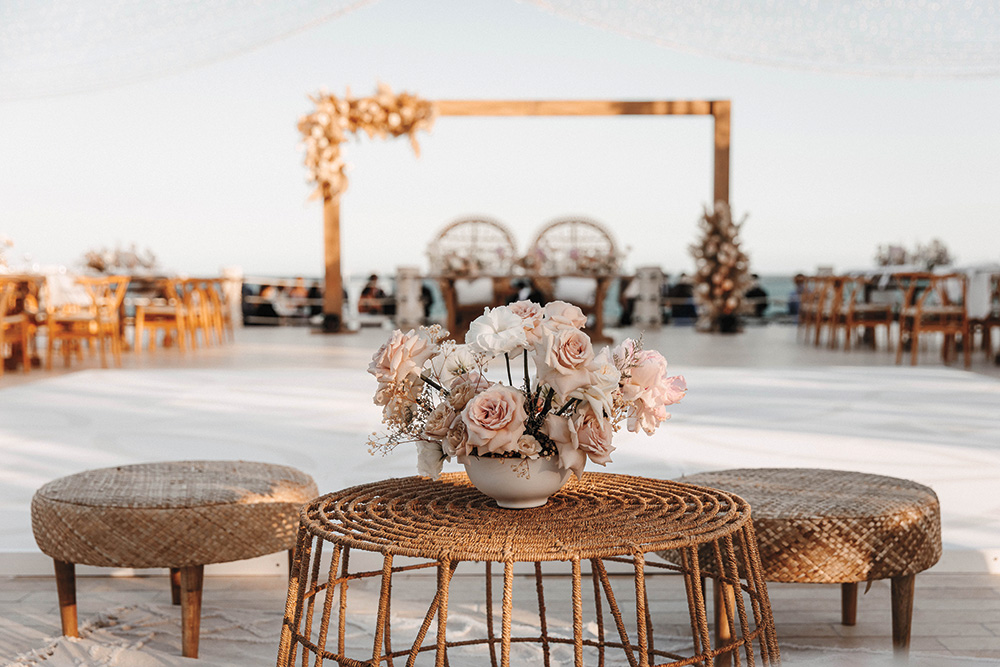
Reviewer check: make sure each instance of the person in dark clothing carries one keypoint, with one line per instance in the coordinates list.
(757, 297)
(372, 299)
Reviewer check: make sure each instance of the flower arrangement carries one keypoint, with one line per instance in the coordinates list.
(436, 393)
(929, 256)
(381, 115)
(115, 260)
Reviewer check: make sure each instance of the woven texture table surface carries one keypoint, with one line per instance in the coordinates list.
(170, 514)
(835, 526)
(449, 519)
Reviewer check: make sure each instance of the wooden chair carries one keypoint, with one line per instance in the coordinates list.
(217, 309)
(165, 314)
(99, 322)
(14, 327)
(575, 249)
(475, 256)
(196, 305)
(809, 305)
(825, 307)
(934, 304)
(856, 310)
(222, 304)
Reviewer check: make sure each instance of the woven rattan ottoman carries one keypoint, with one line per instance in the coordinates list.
(179, 515)
(837, 527)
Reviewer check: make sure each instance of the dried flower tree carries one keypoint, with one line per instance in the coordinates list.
(722, 273)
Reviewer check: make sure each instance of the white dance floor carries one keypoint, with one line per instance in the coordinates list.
(940, 427)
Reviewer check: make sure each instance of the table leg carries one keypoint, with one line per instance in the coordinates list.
(902, 612)
(489, 614)
(191, 583)
(66, 587)
(639, 564)
(444, 580)
(577, 614)
(508, 595)
(848, 603)
(542, 623)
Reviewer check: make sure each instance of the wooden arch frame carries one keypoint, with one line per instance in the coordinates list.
(719, 110)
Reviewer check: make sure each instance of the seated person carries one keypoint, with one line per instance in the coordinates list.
(757, 297)
(372, 299)
(681, 296)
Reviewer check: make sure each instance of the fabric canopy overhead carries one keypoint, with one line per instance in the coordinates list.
(900, 38)
(58, 47)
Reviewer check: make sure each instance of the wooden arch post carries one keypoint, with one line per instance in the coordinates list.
(718, 109)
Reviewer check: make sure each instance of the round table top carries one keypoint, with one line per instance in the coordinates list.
(601, 515)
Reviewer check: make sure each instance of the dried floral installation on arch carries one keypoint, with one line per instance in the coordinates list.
(326, 128)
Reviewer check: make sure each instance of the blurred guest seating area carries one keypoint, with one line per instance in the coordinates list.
(955, 309)
(59, 314)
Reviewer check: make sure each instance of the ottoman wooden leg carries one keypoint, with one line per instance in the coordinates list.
(191, 582)
(848, 603)
(175, 585)
(724, 597)
(902, 612)
(66, 586)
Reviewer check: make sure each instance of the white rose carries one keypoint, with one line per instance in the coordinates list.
(430, 459)
(496, 331)
(528, 446)
(452, 362)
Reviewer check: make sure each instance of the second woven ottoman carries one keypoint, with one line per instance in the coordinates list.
(840, 527)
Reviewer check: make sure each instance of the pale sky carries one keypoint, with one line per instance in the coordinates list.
(205, 167)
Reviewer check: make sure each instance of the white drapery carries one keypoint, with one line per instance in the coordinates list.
(904, 38)
(57, 47)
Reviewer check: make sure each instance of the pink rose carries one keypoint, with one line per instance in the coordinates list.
(495, 419)
(562, 432)
(594, 436)
(562, 314)
(649, 390)
(401, 356)
(531, 315)
(399, 400)
(456, 443)
(439, 422)
(464, 387)
(564, 360)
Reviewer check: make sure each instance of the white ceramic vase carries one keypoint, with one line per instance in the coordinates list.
(517, 483)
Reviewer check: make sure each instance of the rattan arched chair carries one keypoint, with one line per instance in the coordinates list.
(473, 259)
(574, 259)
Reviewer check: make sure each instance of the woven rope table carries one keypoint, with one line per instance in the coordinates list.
(602, 519)
(179, 515)
(837, 527)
